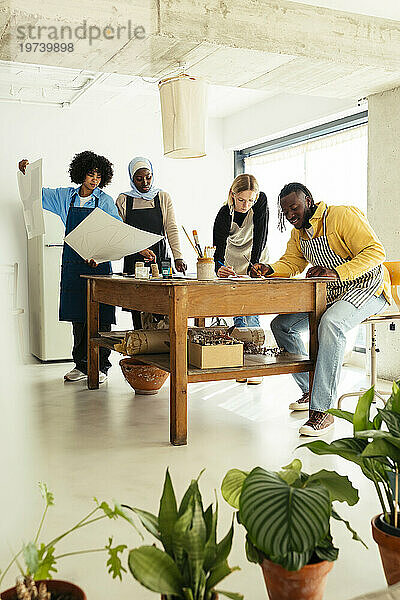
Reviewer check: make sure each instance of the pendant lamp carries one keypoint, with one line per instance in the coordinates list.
(183, 111)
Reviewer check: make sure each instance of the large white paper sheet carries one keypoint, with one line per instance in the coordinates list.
(102, 238)
(30, 191)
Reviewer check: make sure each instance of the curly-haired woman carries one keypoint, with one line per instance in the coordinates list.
(73, 204)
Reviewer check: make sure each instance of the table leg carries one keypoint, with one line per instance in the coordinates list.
(178, 357)
(92, 331)
(313, 318)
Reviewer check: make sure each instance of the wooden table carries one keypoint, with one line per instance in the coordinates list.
(184, 298)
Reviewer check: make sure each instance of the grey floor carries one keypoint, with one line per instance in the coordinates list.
(110, 444)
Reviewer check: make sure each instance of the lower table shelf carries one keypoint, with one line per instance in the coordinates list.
(254, 365)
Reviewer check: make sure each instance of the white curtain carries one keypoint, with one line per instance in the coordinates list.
(333, 167)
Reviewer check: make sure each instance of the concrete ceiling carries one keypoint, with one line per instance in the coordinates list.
(270, 46)
(63, 88)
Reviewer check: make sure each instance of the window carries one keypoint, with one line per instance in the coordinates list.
(333, 167)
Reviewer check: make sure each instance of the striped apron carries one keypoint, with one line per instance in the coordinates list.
(356, 291)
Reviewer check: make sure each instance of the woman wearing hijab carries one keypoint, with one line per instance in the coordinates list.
(149, 208)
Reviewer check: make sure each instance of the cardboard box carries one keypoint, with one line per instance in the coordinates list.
(215, 357)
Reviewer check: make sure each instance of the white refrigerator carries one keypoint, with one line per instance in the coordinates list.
(50, 339)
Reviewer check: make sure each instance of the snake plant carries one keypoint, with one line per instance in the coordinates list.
(192, 562)
(287, 514)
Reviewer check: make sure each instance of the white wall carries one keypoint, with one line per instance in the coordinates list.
(280, 115)
(119, 131)
(383, 203)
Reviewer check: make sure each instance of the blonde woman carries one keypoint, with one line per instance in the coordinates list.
(240, 236)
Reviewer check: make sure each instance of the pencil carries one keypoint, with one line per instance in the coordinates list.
(251, 265)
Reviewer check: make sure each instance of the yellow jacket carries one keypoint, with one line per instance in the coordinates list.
(349, 236)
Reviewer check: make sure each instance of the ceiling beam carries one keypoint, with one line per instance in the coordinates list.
(282, 27)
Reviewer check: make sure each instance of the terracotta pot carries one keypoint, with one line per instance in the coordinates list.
(145, 379)
(306, 584)
(389, 548)
(55, 587)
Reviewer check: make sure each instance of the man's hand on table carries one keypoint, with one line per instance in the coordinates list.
(321, 272)
(260, 270)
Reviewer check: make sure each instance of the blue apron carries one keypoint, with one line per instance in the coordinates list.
(73, 286)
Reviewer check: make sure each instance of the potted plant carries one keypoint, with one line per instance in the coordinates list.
(377, 452)
(192, 562)
(287, 518)
(40, 559)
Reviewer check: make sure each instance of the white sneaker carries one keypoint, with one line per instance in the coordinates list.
(254, 380)
(302, 403)
(74, 375)
(102, 377)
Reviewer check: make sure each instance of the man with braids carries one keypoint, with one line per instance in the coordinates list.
(341, 245)
(73, 204)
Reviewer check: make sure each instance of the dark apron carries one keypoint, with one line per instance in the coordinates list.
(73, 286)
(146, 219)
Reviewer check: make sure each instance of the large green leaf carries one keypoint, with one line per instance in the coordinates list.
(392, 420)
(292, 561)
(326, 550)
(348, 448)
(379, 435)
(253, 555)
(395, 397)
(361, 416)
(155, 570)
(342, 414)
(281, 519)
(167, 514)
(382, 448)
(339, 486)
(231, 486)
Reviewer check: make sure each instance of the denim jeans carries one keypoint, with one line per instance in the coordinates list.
(336, 321)
(251, 321)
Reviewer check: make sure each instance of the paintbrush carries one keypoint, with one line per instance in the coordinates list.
(191, 243)
(197, 243)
